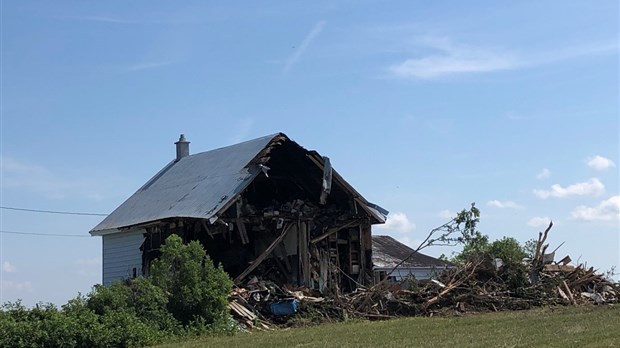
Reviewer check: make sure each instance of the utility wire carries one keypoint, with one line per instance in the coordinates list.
(44, 234)
(53, 211)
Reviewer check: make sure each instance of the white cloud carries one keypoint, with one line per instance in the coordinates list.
(446, 214)
(504, 204)
(592, 187)
(539, 221)
(544, 174)
(294, 58)
(8, 267)
(608, 209)
(600, 163)
(451, 59)
(398, 222)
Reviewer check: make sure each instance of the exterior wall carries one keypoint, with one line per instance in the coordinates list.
(121, 254)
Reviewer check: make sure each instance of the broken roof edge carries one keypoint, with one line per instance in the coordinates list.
(374, 210)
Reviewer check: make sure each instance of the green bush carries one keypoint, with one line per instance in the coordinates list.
(139, 297)
(186, 295)
(197, 290)
(73, 326)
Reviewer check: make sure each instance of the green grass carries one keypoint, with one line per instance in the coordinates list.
(585, 326)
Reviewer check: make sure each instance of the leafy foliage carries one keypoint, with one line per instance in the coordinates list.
(459, 230)
(197, 290)
(138, 297)
(529, 247)
(187, 295)
(73, 326)
(508, 249)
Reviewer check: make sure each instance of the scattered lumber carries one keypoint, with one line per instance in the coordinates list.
(477, 285)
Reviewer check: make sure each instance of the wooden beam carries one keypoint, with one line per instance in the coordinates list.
(332, 230)
(204, 225)
(305, 256)
(243, 234)
(264, 255)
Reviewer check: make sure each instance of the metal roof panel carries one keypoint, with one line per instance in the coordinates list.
(196, 186)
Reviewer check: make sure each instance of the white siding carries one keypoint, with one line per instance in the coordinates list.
(121, 254)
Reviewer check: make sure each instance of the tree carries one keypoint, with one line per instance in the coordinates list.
(197, 290)
(475, 246)
(508, 249)
(530, 248)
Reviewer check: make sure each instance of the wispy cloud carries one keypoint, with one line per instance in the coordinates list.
(504, 204)
(8, 267)
(147, 66)
(452, 59)
(592, 187)
(397, 222)
(311, 36)
(448, 58)
(600, 163)
(539, 221)
(608, 209)
(544, 174)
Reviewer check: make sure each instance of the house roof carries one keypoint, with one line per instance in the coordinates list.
(203, 184)
(387, 252)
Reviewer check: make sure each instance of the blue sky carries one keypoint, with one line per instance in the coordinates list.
(424, 107)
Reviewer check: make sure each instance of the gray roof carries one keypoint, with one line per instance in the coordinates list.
(387, 252)
(199, 186)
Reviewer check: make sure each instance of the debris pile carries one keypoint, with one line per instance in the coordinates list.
(480, 284)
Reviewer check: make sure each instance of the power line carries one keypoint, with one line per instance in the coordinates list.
(44, 234)
(53, 211)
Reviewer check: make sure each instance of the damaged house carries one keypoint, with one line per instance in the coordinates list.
(265, 207)
(398, 262)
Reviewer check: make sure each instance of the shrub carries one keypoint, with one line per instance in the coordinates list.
(74, 326)
(197, 290)
(138, 297)
(186, 295)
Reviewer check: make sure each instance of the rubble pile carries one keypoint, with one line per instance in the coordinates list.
(480, 284)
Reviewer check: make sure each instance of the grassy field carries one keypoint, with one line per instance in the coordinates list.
(585, 326)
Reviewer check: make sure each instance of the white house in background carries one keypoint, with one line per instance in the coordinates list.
(387, 252)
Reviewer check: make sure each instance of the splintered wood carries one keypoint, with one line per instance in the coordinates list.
(480, 284)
